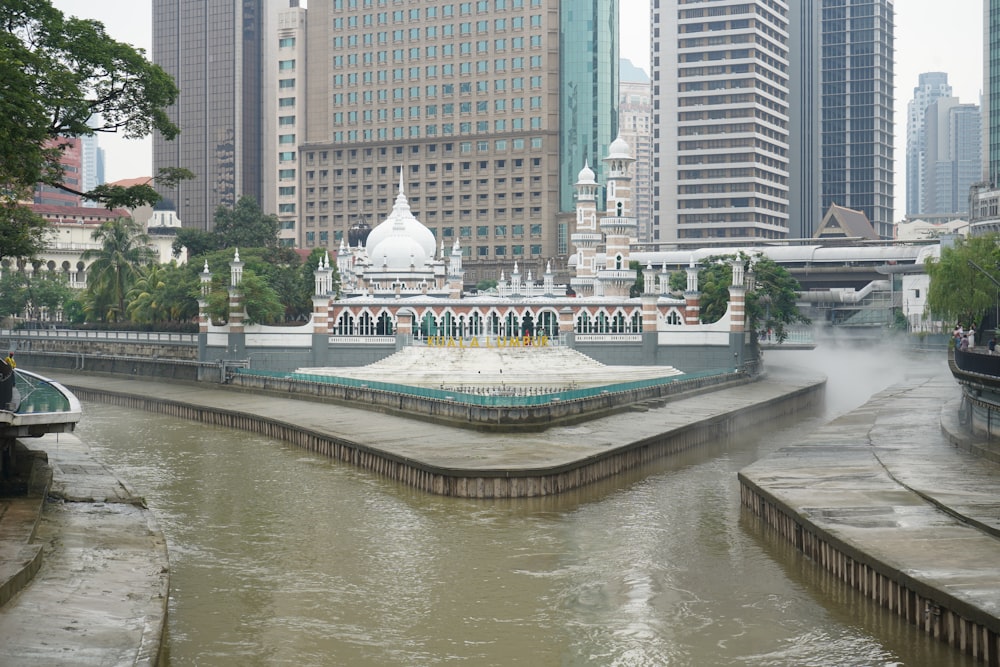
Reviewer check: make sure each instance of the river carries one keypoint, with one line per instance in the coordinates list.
(279, 557)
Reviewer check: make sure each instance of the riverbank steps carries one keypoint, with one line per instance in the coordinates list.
(458, 462)
(882, 500)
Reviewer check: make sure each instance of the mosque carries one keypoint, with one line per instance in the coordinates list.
(399, 289)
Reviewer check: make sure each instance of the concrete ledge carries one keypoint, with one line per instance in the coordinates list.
(449, 462)
(877, 499)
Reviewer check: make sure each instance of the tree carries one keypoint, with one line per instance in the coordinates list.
(116, 267)
(639, 286)
(959, 291)
(22, 233)
(43, 290)
(770, 302)
(65, 77)
(163, 293)
(771, 299)
(260, 302)
(245, 225)
(197, 241)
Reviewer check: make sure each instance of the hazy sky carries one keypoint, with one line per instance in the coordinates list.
(931, 36)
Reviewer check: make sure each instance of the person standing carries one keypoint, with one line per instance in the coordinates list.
(10, 360)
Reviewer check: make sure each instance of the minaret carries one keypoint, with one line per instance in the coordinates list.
(618, 226)
(455, 274)
(692, 298)
(586, 237)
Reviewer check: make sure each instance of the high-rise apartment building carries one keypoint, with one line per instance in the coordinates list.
(857, 108)
(91, 167)
(488, 107)
(720, 107)
(953, 156)
(214, 51)
(284, 116)
(635, 126)
(71, 161)
(931, 86)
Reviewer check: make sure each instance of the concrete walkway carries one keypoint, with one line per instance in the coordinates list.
(100, 594)
(885, 481)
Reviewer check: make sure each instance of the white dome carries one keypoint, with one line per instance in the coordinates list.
(619, 148)
(586, 176)
(397, 252)
(409, 226)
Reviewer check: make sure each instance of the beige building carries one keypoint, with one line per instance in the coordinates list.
(635, 126)
(284, 116)
(720, 98)
(464, 98)
(70, 231)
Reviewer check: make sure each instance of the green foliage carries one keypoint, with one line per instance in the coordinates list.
(61, 76)
(770, 301)
(261, 303)
(959, 292)
(22, 233)
(116, 267)
(639, 286)
(484, 285)
(197, 241)
(280, 268)
(678, 281)
(245, 225)
(163, 293)
(43, 290)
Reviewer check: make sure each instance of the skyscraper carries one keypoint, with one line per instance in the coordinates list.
(857, 108)
(214, 51)
(991, 91)
(490, 108)
(284, 116)
(635, 126)
(805, 213)
(953, 156)
(930, 87)
(720, 105)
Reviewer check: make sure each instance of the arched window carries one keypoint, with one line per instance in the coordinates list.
(383, 327)
(345, 324)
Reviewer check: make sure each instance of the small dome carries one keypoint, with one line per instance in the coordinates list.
(619, 148)
(586, 176)
(409, 226)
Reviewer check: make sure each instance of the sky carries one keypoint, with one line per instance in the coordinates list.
(931, 36)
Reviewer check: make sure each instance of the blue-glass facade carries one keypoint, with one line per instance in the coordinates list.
(857, 108)
(992, 85)
(588, 106)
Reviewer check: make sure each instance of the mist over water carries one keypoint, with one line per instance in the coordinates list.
(856, 369)
(279, 557)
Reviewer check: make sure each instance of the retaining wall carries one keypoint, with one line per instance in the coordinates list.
(477, 483)
(940, 615)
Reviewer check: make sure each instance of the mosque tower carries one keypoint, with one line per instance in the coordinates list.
(618, 225)
(586, 237)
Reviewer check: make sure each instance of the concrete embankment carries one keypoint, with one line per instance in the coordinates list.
(83, 564)
(881, 499)
(458, 462)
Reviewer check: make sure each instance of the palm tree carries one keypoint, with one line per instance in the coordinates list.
(143, 305)
(124, 248)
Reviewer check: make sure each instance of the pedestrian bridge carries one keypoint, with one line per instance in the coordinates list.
(32, 405)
